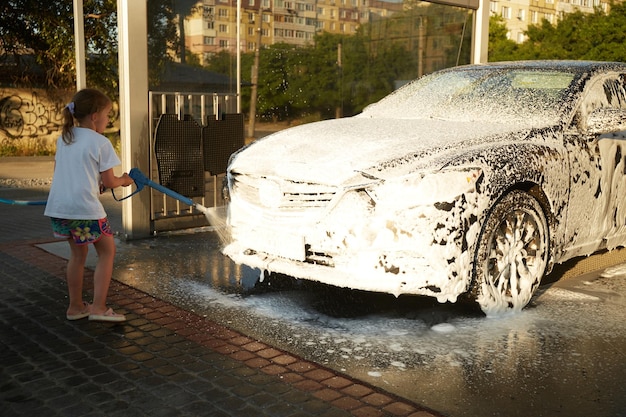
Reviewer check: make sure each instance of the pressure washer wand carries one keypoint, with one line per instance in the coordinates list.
(141, 180)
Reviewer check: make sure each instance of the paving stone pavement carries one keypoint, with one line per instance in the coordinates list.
(164, 361)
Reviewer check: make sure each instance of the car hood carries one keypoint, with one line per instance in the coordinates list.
(333, 151)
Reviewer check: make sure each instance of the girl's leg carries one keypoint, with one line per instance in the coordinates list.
(102, 275)
(74, 276)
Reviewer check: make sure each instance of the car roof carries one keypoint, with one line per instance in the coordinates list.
(557, 65)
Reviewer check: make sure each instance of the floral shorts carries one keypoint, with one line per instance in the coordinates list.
(82, 231)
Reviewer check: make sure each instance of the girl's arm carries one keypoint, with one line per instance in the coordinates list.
(109, 180)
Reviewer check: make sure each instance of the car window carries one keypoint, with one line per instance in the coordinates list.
(522, 95)
(607, 91)
(615, 90)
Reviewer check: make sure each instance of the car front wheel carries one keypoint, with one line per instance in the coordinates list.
(512, 254)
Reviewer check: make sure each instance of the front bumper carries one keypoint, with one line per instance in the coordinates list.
(366, 279)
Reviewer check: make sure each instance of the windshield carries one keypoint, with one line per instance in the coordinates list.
(483, 94)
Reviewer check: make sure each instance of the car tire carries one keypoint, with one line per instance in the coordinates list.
(512, 254)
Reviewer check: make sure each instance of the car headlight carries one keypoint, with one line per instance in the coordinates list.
(270, 194)
(425, 188)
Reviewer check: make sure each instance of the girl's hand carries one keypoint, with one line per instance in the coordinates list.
(127, 180)
(110, 180)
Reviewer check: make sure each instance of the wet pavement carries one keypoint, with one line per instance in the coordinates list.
(206, 337)
(565, 355)
(165, 360)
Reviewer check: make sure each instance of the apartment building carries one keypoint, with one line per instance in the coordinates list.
(211, 25)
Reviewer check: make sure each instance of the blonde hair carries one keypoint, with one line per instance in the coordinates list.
(84, 103)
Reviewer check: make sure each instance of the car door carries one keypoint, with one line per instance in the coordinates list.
(596, 216)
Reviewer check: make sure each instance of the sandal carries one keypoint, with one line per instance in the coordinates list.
(81, 315)
(108, 316)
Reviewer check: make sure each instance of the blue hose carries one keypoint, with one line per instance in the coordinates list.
(22, 202)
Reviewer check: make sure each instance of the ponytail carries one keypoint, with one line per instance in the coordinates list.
(84, 103)
(68, 123)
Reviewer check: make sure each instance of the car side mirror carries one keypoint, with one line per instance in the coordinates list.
(606, 120)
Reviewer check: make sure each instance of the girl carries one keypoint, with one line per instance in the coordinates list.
(84, 162)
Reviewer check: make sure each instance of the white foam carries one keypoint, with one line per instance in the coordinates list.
(619, 270)
(443, 328)
(564, 294)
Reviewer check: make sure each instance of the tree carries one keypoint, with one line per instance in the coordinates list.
(357, 75)
(319, 76)
(500, 48)
(45, 30)
(163, 42)
(274, 100)
(222, 62)
(606, 41)
(577, 36)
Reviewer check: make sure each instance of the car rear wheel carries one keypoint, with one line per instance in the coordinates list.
(512, 254)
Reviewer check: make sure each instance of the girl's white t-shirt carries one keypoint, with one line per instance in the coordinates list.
(75, 189)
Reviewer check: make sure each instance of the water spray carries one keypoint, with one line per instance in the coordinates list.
(214, 215)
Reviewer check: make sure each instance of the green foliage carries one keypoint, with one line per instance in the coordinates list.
(222, 63)
(576, 36)
(45, 30)
(27, 147)
(317, 77)
(40, 27)
(100, 46)
(163, 41)
(333, 75)
(500, 47)
(192, 59)
(34, 146)
(274, 98)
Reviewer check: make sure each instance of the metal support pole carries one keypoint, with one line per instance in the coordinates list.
(79, 42)
(480, 44)
(238, 56)
(255, 78)
(134, 120)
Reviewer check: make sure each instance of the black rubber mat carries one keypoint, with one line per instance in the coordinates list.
(222, 138)
(178, 149)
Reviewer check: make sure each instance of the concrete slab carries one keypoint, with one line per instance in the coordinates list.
(62, 250)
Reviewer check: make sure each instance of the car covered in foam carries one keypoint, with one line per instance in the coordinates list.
(471, 181)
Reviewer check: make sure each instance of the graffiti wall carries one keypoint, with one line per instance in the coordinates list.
(27, 114)
(31, 120)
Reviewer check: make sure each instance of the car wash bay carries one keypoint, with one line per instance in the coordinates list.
(564, 355)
